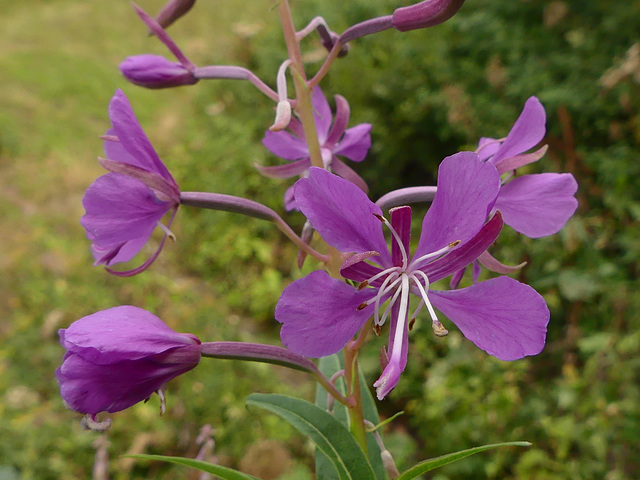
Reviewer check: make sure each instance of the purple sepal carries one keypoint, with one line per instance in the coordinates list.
(118, 357)
(154, 71)
(425, 14)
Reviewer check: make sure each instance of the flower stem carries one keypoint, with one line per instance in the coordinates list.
(356, 415)
(304, 108)
(257, 352)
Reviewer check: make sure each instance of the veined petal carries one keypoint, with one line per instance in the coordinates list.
(467, 189)
(340, 122)
(91, 388)
(502, 316)
(538, 205)
(319, 314)
(285, 145)
(121, 333)
(133, 139)
(285, 171)
(119, 209)
(356, 143)
(526, 133)
(342, 214)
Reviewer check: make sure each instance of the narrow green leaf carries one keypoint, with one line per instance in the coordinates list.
(222, 472)
(329, 434)
(432, 463)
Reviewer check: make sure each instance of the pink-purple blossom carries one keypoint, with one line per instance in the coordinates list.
(321, 314)
(335, 141)
(535, 205)
(124, 207)
(118, 357)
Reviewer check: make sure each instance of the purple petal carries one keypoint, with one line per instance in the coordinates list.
(321, 114)
(285, 145)
(392, 371)
(121, 333)
(538, 205)
(340, 122)
(319, 314)
(341, 213)
(526, 133)
(467, 189)
(287, 170)
(502, 316)
(119, 209)
(133, 139)
(487, 147)
(90, 388)
(290, 200)
(401, 223)
(356, 143)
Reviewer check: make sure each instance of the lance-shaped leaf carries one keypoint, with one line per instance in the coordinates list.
(224, 473)
(328, 433)
(432, 463)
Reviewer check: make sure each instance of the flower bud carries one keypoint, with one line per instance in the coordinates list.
(425, 14)
(173, 10)
(154, 71)
(118, 357)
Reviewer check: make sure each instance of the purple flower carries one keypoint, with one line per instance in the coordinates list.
(425, 14)
(118, 357)
(321, 314)
(335, 140)
(124, 207)
(535, 205)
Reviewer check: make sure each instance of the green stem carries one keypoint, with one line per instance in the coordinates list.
(356, 415)
(304, 108)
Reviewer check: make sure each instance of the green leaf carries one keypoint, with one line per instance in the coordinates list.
(222, 472)
(328, 433)
(432, 463)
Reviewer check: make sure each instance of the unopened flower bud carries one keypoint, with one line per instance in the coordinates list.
(154, 71)
(173, 10)
(425, 14)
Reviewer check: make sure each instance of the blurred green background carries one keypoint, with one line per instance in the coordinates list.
(428, 94)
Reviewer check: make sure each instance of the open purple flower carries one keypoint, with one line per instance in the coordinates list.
(535, 205)
(321, 314)
(124, 207)
(118, 357)
(335, 140)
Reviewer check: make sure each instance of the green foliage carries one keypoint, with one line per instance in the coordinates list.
(328, 433)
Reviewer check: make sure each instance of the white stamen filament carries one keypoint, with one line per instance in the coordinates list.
(405, 257)
(414, 264)
(369, 281)
(387, 310)
(402, 318)
(389, 283)
(438, 328)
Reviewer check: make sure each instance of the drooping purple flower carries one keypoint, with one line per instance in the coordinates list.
(124, 207)
(535, 205)
(320, 314)
(118, 357)
(335, 141)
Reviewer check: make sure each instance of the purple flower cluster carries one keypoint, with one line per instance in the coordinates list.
(334, 138)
